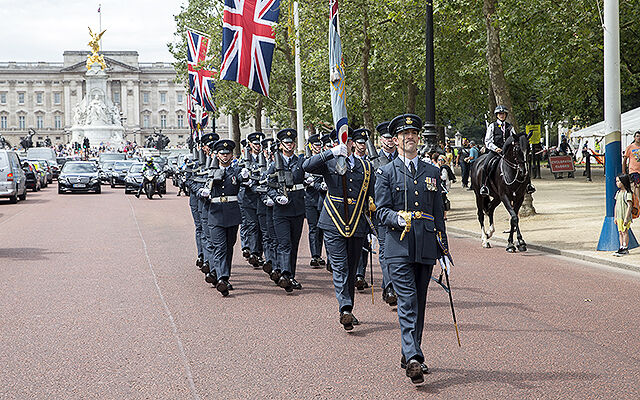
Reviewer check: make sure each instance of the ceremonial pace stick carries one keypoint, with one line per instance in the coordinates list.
(453, 311)
(375, 233)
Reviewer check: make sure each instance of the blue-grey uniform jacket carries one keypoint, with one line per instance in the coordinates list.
(249, 196)
(223, 210)
(295, 207)
(360, 181)
(422, 243)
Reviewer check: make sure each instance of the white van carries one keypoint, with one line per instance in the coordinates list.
(13, 180)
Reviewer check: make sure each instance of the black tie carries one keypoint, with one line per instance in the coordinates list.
(412, 168)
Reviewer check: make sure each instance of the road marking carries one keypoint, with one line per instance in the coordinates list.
(11, 217)
(174, 328)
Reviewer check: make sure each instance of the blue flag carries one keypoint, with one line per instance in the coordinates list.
(337, 75)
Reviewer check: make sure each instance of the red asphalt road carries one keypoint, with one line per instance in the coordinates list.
(100, 299)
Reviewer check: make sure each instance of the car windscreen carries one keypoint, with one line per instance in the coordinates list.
(121, 165)
(79, 168)
(136, 168)
(4, 160)
(112, 156)
(108, 164)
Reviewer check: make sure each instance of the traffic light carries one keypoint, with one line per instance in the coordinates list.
(85, 143)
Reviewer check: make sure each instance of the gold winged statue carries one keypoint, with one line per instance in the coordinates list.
(94, 44)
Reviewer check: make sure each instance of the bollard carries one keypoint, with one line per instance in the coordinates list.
(587, 167)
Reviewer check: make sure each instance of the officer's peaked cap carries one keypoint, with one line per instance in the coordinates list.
(404, 122)
(287, 135)
(255, 137)
(209, 138)
(315, 139)
(361, 135)
(224, 146)
(383, 129)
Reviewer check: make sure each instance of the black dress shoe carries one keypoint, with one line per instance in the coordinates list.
(346, 319)
(200, 261)
(267, 267)
(392, 297)
(403, 365)
(211, 277)
(275, 275)
(296, 285)
(414, 371)
(285, 283)
(321, 262)
(229, 285)
(314, 262)
(246, 253)
(253, 260)
(355, 320)
(205, 267)
(329, 267)
(222, 287)
(360, 282)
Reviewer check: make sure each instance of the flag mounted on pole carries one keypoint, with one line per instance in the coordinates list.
(337, 75)
(202, 86)
(248, 41)
(197, 45)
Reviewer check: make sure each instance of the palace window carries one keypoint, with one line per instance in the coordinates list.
(3, 122)
(39, 122)
(20, 97)
(163, 97)
(116, 97)
(180, 121)
(22, 124)
(57, 98)
(3, 98)
(145, 121)
(57, 120)
(39, 96)
(180, 98)
(145, 97)
(163, 121)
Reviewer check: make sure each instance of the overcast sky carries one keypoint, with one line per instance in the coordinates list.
(41, 30)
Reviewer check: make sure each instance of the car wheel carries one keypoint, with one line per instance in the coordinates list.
(98, 190)
(60, 190)
(113, 183)
(13, 199)
(23, 196)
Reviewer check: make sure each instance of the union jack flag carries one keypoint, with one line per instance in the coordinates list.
(197, 45)
(248, 41)
(202, 87)
(192, 116)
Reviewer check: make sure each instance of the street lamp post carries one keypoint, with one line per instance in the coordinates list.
(527, 208)
(429, 133)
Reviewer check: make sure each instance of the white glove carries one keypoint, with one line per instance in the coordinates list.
(339, 150)
(445, 264)
(323, 186)
(309, 180)
(268, 202)
(401, 221)
(282, 200)
(244, 173)
(204, 192)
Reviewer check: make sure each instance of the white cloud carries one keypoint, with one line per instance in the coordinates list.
(41, 30)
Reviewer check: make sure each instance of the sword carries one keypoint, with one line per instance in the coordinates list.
(447, 289)
(375, 233)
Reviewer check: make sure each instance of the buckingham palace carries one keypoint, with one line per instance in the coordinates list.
(42, 96)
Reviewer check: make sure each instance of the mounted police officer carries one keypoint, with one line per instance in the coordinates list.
(494, 140)
(342, 220)
(249, 202)
(311, 199)
(224, 212)
(409, 204)
(286, 179)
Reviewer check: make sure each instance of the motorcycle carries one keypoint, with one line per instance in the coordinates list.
(150, 183)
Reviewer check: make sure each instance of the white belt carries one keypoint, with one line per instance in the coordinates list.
(299, 186)
(224, 199)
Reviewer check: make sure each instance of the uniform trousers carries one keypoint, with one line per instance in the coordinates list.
(384, 266)
(223, 240)
(203, 207)
(315, 234)
(268, 238)
(410, 281)
(252, 233)
(195, 213)
(275, 262)
(288, 232)
(344, 255)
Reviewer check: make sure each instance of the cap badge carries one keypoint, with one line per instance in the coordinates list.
(409, 121)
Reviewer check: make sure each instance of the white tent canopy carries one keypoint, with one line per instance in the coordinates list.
(630, 124)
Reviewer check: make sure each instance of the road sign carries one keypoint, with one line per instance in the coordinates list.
(561, 164)
(533, 132)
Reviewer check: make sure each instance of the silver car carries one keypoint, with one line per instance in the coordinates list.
(13, 180)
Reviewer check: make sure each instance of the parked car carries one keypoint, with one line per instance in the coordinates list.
(33, 177)
(119, 173)
(79, 176)
(13, 181)
(41, 173)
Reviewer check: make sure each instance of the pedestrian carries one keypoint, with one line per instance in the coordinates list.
(449, 154)
(409, 204)
(631, 163)
(622, 216)
(447, 177)
(465, 166)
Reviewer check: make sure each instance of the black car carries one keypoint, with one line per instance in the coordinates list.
(33, 180)
(79, 176)
(119, 172)
(133, 180)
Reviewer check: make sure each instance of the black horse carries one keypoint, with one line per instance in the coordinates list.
(507, 185)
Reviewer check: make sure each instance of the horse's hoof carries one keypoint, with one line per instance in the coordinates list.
(511, 249)
(486, 245)
(522, 247)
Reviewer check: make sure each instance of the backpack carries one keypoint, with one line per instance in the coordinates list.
(635, 206)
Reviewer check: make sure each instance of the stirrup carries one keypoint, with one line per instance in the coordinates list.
(531, 189)
(484, 190)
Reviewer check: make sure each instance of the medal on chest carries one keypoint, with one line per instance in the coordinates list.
(431, 183)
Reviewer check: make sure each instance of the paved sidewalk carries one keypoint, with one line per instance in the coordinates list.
(569, 218)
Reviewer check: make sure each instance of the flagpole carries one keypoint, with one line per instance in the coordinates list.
(300, 123)
(100, 23)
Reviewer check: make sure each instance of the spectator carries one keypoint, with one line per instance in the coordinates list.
(463, 161)
(473, 156)
(447, 177)
(622, 216)
(449, 154)
(631, 163)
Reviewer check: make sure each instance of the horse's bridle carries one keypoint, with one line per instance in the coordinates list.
(518, 167)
